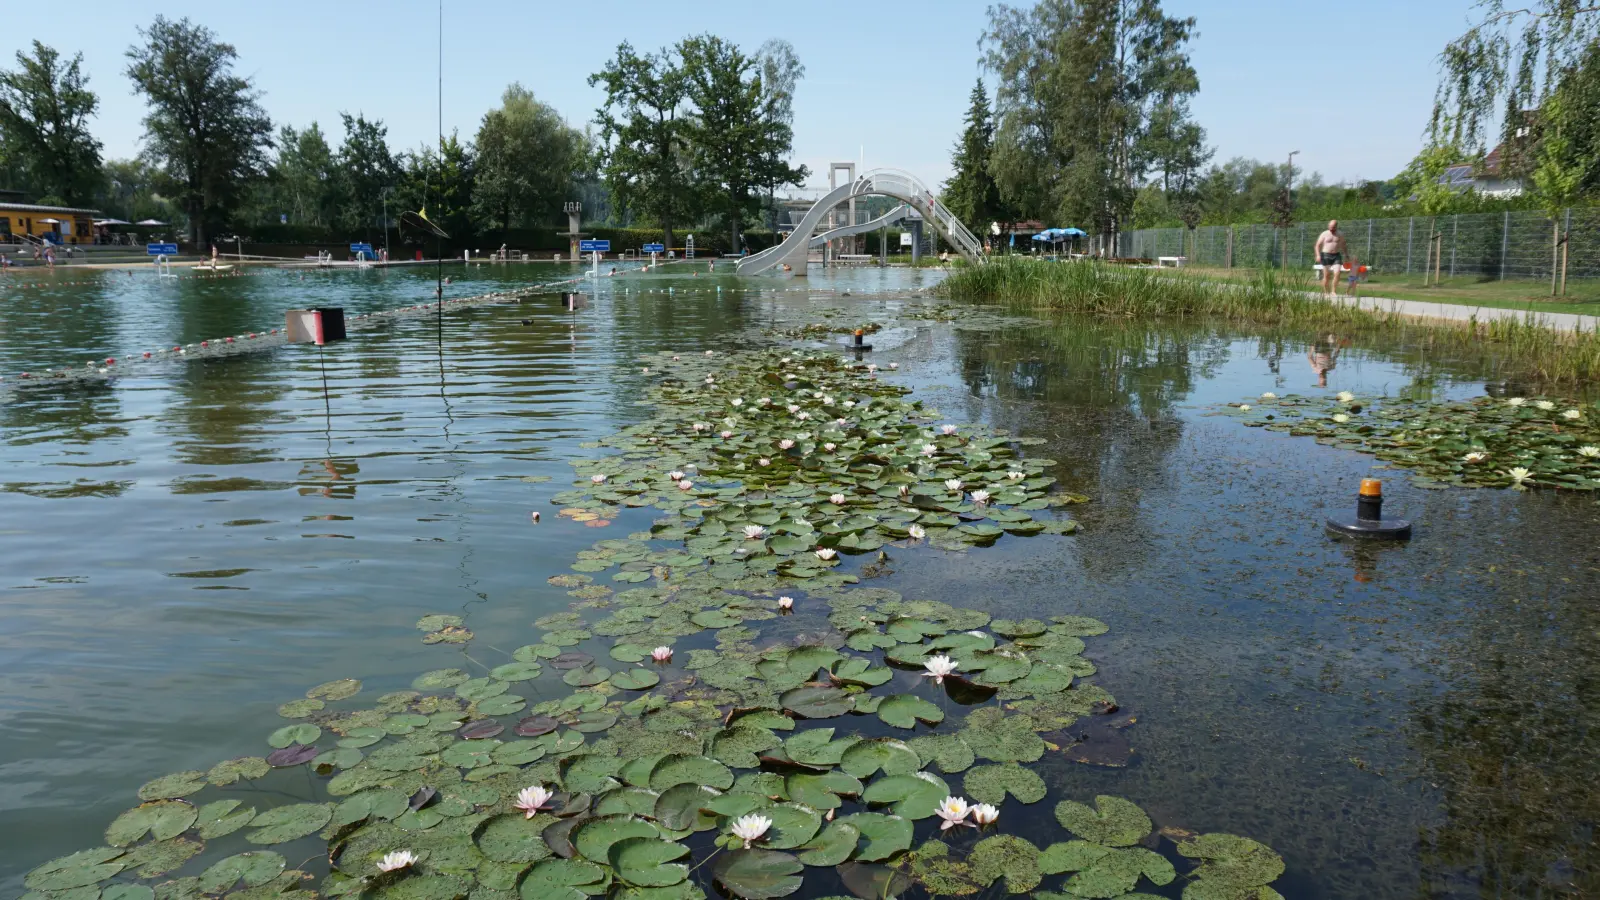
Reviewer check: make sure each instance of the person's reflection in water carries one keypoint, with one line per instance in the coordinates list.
(1324, 356)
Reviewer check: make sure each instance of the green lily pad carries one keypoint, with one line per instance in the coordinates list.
(300, 709)
(161, 820)
(990, 784)
(304, 733)
(514, 838)
(681, 807)
(891, 756)
(593, 838)
(1114, 823)
(682, 768)
(171, 787)
(516, 671)
(648, 862)
(1229, 863)
(439, 679)
(219, 818)
(336, 690)
(882, 835)
(627, 801)
(287, 823)
(793, 824)
(905, 710)
(562, 879)
(160, 857)
(1006, 856)
(758, 874)
(229, 771)
(253, 868)
(948, 751)
(913, 797)
(817, 702)
(86, 867)
(860, 672)
(833, 846)
(586, 677)
(821, 791)
(635, 679)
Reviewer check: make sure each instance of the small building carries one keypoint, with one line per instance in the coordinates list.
(56, 224)
(1487, 178)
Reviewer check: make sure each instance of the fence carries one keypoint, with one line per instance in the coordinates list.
(1487, 245)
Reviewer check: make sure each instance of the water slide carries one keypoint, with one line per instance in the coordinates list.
(843, 231)
(886, 182)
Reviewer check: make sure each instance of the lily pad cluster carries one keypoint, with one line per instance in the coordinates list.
(1500, 442)
(693, 732)
(816, 330)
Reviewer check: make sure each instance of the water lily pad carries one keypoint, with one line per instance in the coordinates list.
(292, 755)
(86, 867)
(990, 784)
(913, 797)
(860, 672)
(905, 710)
(120, 892)
(793, 824)
(594, 722)
(891, 756)
(561, 879)
(514, 838)
(300, 709)
(287, 823)
(572, 659)
(160, 857)
(171, 787)
(593, 839)
(219, 818)
(533, 726)
(833, 846)
(821, 791)
(161, 820)
(1114, 822)
(254, 867)
(882, 835)
(587, 677)
(229, 771)
(758, 874)
(714, 618)
(635, 679)
(682, 768)
(648, 862)
(948, 751)
(868, 880)
(1006, 856)
(336, 690)
(516, 671)
(436, 622)
(502, 705)
(682, 807)
(1231, 864)
(304, 733)
(817, 702)
(590, 773)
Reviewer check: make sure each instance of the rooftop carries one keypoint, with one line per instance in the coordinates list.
(35, 208)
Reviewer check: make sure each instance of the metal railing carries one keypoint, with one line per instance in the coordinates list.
(1503, 245)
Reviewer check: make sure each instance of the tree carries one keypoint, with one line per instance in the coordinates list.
(971, 193)
(643, 149)
(205, 127)
(781, 71)
(737, 143)
(130, 192)
(305, 187)
(366, 170)
(45, 107)
(527, 160)
(445, 191)
(1505, 64)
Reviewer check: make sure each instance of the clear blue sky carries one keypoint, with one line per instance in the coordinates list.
(1350, 88)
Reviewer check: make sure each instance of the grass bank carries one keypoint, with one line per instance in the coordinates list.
(1512, 348)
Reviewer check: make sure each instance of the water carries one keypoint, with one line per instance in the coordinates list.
(199, 541)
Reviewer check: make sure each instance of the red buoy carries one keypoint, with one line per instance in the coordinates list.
(205, 343)
(229, 340)
(147, 354)
(111, 360)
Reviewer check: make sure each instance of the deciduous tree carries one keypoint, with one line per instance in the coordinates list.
(45, 105)
(528, 158)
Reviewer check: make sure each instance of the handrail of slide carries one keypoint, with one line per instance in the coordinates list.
(888, 182)
(899, 212)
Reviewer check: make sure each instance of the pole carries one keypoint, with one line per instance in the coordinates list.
(1505, 239)
(1455, 241)
(1411, 231)
(1555, 252)
(386, 215)
(1566, 244)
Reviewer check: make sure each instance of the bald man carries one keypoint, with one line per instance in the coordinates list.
(1329, 250)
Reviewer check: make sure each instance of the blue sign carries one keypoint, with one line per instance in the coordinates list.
(161, 249)
(655, 248)
(594, 246)
(361, 248)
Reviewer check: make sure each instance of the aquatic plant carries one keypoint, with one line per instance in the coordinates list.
(1528, 443)
(744, 764)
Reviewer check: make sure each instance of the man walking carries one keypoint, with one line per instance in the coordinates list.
(1329, 250)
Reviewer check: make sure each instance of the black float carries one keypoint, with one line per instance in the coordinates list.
(1368, 520)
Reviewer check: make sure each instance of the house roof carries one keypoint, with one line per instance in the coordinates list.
(34, 208)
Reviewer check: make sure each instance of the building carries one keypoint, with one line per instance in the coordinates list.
(56, 224)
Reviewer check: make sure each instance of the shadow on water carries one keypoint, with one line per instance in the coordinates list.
(1416, 721)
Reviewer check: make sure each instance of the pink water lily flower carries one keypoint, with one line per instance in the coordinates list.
(754, 532)
(532, 799)
(984, 814)
(661, 654)
(785, 444)
(949, 429)
(826, 553)
(837, 499)
(938, 667)
(953, 810)
(786, 603)
(598, 479)
(685, 485)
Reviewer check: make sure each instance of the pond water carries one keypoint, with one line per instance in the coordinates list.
(198, 541)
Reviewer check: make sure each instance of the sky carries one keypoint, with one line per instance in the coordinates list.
(1349, 85)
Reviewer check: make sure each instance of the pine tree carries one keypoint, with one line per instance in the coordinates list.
(972, 193)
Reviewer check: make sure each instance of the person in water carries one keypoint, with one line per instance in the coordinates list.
(1329, 250)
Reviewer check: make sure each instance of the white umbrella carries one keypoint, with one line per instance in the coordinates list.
(51, 221)
(99, 222)
(149, 222)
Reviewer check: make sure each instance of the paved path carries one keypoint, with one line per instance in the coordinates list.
(1460, 312)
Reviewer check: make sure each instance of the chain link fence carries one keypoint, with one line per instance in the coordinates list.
(1485, 245)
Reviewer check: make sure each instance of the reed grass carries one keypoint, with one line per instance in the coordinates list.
(1512, 348)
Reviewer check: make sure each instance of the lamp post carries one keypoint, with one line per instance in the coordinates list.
(1288, 195)
(386, 190)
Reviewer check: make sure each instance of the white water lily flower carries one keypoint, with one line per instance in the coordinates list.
(786, 603)
(785, 444)
(980, 497)
(893, 366)
(793, 408)
(842, 423)
(1589, 450)
(1516, 401)
(532, 799)
(685, 485)
(754, 532)
(816, 395)
(849, 404)
(645, 371)
(750, 828)
(949, 429)
(984, 814)
(1545, 405)
(675, 475)
(1475, 456)
(1344, 396)
(953, 484)
(1244, 407)
(803, 436)
(905, 490)
(872, 367)
(1341, 418)
(765, 401)
(737, 401)
(829, 447)
(399, 859)
(826, 553)
(1015, 476)
(802, 415)
(711, 353)
(929, 449)
(837, 499)
(763, 461)
(598, 479)
(699, 426)
(1269, 396)
(827, 401)
(917, 532)
(726, 435)
(953, 810)
(785, 360)
(1519, 474)
(938, 667)
(1571, 414)
(676, 358)
(711, 379)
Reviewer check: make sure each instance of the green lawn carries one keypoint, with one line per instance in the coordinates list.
(1583, 296)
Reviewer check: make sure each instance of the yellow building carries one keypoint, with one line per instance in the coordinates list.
(63, 224)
